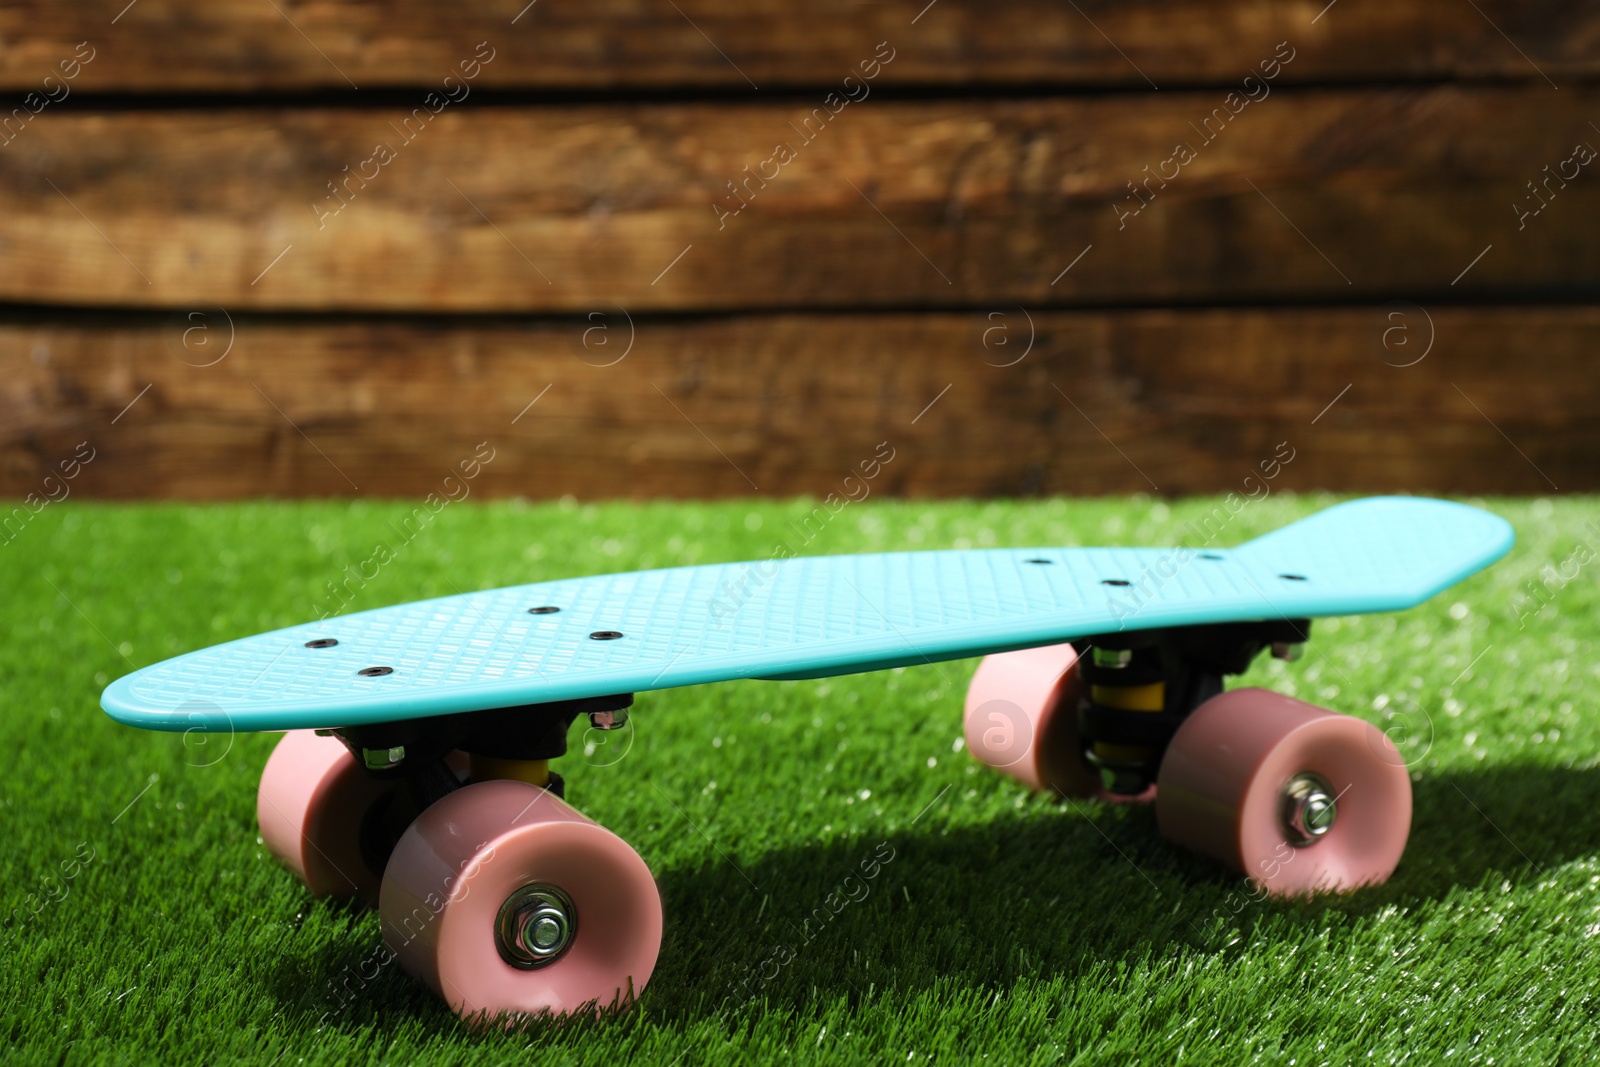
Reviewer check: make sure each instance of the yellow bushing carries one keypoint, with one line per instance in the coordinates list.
(1150, 697)
(489, 769)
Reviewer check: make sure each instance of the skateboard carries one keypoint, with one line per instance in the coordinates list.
(415, 771)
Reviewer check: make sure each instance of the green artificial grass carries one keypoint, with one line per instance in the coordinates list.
(144, 921)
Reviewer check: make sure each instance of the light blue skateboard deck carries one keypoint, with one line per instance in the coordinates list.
(796, 618)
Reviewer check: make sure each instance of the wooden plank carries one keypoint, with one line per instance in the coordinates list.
(1170, 402)
(1301, 196)
(247, 45)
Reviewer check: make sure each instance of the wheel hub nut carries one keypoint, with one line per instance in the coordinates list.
(1309, 808)
(536, 926)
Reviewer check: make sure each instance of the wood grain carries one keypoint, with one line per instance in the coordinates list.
(1345, 194)
(248, 45)
(1164, 402)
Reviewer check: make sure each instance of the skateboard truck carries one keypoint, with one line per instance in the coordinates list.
(1142, 686)
(531, 732)
(502, 743)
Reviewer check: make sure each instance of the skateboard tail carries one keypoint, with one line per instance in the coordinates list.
(1364, 557)
(1390, 552)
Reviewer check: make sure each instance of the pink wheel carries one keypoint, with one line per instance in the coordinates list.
(1298, 798)
(310, 805)
(505, 900)
(1022, 718)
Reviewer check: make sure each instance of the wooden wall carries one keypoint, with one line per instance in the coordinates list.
(704, 248)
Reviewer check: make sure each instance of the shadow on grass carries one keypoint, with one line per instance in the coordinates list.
(1061, 893)
(1041, 893)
